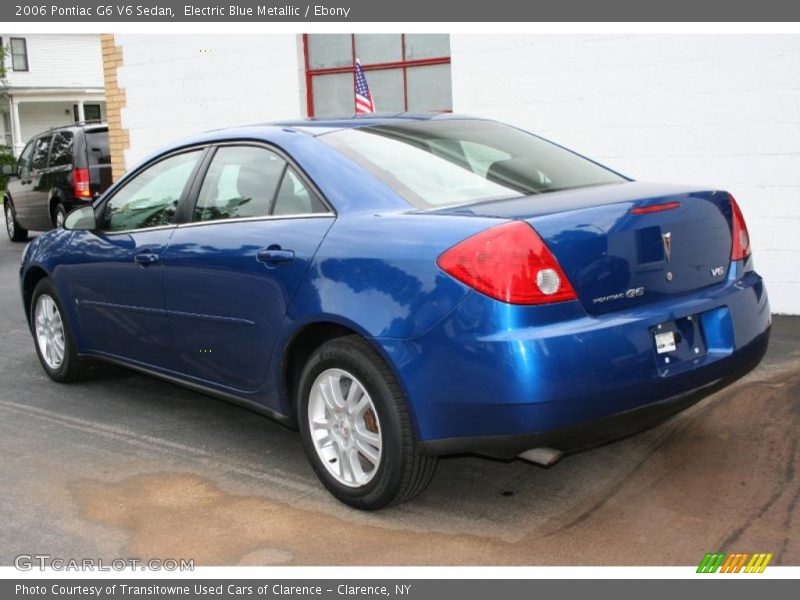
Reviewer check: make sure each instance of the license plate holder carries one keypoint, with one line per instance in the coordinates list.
(665, 342)
(679, 343)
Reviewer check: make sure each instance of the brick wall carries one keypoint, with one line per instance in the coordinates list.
(119, 140)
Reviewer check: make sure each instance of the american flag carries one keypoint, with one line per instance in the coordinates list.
(364, 102)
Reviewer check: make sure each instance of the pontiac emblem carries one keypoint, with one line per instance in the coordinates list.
(667, 239)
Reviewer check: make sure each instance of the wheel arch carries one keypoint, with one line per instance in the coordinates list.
(56, 198)
(302, 344)
(30, 280)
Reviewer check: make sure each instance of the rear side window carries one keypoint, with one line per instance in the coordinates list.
(294, 198)
(61, 152)
(241, 182)
(40, 147)
(97, 148)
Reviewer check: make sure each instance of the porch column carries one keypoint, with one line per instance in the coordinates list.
(81, 115)
(16, 130)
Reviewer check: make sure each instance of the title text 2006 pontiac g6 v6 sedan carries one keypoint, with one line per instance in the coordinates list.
(402, 288)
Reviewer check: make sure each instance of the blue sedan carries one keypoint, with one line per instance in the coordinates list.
(406, 287)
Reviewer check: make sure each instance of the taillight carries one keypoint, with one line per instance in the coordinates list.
(741, 239)
(511, 263)
(80, 183)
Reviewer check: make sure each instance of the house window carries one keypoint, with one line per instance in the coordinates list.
(405, 72)
(91, 112)
(19, 54)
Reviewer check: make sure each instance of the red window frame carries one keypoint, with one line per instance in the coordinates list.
(403, 64)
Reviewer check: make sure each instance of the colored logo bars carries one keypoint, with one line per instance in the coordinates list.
(734, 563)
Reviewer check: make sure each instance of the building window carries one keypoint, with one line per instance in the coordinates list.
(91, 112)
(19, 54)
(405, 72)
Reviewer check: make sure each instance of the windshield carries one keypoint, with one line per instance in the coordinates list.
(441, 163)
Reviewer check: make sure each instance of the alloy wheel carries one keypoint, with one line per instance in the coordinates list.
(49, 331)
(344, 427)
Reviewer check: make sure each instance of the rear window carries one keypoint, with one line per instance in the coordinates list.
(441, 163)
(97, 148)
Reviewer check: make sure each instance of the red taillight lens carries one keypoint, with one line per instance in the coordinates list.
(511, 263)
(80, 183)
(741, 239)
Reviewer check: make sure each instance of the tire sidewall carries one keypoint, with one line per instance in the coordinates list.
(382, 488)
(68, 365)
(59, 210)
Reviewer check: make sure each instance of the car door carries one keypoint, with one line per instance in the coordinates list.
(232, 269)
(117, 280)
(33, 206)
(20, 185)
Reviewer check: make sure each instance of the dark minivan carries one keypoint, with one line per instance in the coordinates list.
(58, 170)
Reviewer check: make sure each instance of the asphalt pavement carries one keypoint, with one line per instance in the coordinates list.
(125, 465)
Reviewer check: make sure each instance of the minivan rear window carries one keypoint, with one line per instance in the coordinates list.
(97, 147)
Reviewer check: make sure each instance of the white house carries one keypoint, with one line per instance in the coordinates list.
(50, 80)
(715, 110)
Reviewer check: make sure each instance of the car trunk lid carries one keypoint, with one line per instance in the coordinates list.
(629, 244)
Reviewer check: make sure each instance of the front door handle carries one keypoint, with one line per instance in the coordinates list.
(274, 255)
(145, 258)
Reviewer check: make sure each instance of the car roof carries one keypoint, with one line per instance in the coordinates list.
(316, 126)
(87, 126)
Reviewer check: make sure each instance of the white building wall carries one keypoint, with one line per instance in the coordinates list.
(58, 60)
(179, 85)
(722, 111)
(36, 117)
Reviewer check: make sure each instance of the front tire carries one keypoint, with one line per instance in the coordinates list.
(55, 344)
(16, 233)
(356, 428)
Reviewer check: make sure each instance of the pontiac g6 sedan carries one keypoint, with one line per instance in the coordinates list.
(402, 288)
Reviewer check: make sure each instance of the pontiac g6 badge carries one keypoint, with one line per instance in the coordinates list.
(667, 239)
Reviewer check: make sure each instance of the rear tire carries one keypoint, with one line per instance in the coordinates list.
(16, 233)
(52, 335)
(59, 216)
(386, 435)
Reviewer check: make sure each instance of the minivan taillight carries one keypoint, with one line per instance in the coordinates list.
(740, 248)
(510, 263)
(80, 183)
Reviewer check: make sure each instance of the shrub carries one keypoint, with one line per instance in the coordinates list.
(6, 158)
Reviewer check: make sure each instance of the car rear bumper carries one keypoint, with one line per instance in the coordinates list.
(609, 428)
(499, 379)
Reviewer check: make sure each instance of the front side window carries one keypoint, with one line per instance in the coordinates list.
(40, 148)
(150, 199)
(447, 162)
(19, 54)
(61, 152)
(405, 72)
(24, 162)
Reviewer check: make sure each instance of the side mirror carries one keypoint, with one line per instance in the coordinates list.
(81, 218)
(9, 170)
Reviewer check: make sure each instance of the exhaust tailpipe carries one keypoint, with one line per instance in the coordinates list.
(545, 457)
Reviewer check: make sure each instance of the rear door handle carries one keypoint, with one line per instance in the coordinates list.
(145, 258)
(274, 256)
